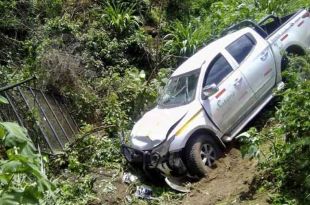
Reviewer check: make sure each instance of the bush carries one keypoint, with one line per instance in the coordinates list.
(286, 163)
(185, 39)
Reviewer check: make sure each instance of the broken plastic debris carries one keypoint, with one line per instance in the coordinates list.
(177, 184)
(129, 178)
(144, 192)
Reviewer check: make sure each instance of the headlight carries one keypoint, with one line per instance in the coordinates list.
(132, 155)
(127, 153)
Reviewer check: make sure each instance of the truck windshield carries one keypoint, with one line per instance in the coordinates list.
(179, 90)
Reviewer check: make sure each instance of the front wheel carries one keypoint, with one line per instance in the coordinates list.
(200, 155)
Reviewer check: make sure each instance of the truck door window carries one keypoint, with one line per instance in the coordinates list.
(217, 71)
(240, 48)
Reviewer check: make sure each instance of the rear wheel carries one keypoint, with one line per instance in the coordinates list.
(284, 63)
(200, 155)
(291, 51)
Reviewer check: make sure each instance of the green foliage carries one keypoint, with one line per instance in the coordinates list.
(251, 142)
(121, 98)
(10, 14)
(48, 8)
(184, 39)
(202, 20)
(287, 159)
(120, 16)
(77, 170)
(22, 178)
(61, 25)
(3, 100)
(104, 59)
(98, 151)
(280, 7)
(130, 98)
(178, 9)
(72, 191)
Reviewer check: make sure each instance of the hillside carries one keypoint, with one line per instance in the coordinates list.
(107, 60)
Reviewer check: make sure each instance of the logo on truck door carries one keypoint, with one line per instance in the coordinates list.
(222, 102)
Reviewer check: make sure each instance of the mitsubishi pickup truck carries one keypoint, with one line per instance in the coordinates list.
(212, 96)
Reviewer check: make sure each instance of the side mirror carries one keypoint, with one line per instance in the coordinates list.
(209, 90)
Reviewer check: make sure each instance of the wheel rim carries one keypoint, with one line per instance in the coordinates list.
(207, 155)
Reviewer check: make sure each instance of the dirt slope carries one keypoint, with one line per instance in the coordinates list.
(224, 185)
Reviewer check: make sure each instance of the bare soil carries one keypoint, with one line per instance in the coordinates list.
(228, 183)
(109, 188)
(225, 184)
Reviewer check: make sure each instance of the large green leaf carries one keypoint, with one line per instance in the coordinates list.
(22, 160)
(16, 197)
(2, 132)
(5, 178)
(22, 164)
(17, 136)
(3, 100)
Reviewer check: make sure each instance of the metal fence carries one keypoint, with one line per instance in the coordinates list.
(46, 118)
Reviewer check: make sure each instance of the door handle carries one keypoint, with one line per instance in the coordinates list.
(238, 81)
(264, 56)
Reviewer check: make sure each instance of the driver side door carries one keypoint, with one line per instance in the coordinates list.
(233, 97)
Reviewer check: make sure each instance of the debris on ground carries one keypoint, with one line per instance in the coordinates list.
(144, 192)
(129, 178)
(225, 183)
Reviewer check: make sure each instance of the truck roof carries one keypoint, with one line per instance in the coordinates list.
(205, 55)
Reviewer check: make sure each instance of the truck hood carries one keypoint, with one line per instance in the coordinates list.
(153, 127)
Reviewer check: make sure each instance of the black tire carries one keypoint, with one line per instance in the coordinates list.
(200, 154)
(284, 63)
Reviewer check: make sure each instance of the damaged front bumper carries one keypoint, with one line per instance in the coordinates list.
(158, 158)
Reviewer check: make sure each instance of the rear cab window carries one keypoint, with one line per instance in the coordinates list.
(241, 47)
(217, 70)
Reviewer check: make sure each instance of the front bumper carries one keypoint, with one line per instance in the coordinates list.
(158, 158)
(149, 159)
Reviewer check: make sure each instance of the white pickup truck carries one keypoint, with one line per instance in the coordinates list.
(214, 94)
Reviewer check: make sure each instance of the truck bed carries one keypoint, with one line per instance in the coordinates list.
(274, 23)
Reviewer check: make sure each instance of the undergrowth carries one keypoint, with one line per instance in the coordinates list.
(285, 162)
(22, 172)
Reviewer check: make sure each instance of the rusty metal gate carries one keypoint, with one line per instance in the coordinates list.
(46, 118)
